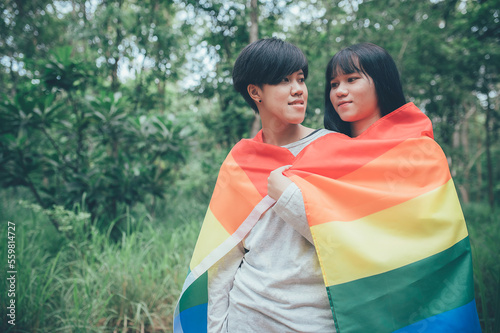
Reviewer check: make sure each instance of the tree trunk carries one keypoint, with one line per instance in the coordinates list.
(115, 82)
(489, 163)
(479, 179)
(254, 20)
(464, 142)
(254, 35)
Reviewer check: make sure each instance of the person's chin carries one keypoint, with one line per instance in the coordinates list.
(300, 108)
(297, 120)
(347, 117)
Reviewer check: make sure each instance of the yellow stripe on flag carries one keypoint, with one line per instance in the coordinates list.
(392, 238)
(212, 234)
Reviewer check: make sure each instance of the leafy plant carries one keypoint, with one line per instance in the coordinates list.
(66, 143)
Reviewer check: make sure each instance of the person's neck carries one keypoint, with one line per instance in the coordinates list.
(360, 126)
(286, 135)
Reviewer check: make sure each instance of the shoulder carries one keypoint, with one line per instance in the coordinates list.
(316, 134)
(322, 131)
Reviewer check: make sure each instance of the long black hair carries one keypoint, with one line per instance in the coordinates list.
(266, 61)
(368, 59)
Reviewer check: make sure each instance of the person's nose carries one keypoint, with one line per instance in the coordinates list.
(341, 90)
(297, 88)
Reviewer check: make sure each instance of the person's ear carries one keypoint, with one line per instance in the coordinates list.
(255, 93)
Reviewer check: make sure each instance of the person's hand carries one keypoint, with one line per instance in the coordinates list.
(277, 182)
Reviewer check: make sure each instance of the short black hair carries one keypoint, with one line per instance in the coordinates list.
(266, 61)
(368, 59)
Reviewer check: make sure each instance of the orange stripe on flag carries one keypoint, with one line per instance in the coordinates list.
(233, 186)
(418, 166)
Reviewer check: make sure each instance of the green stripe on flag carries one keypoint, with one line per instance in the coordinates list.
(395, 299)
(195, 294)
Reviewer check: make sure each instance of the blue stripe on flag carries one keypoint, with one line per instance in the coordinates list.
(463, 319)
(192, 320)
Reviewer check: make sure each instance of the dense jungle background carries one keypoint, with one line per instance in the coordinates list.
(115, 116)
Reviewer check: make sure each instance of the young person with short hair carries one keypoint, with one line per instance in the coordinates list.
(268, 279)
(278, 281)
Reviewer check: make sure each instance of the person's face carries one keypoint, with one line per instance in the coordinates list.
(354, 98)
(284, 103)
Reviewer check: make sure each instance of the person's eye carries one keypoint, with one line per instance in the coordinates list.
(334, 85)
(285, 79)
(302, 80)
(353, 78)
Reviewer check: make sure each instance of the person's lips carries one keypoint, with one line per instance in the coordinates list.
(343, 103)
(297, 102)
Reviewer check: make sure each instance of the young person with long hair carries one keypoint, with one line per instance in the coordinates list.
(362, 85)
(381, 206)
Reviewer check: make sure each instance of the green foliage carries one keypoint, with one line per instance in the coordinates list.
(64, 73)
(66, 142)
(90, 283)
(72, 224)
(484, 229)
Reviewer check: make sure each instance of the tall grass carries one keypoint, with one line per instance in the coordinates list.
(90, 283)
(484, 232)
(86, 282)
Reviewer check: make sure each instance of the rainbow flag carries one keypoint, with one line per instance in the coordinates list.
(386, 221)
